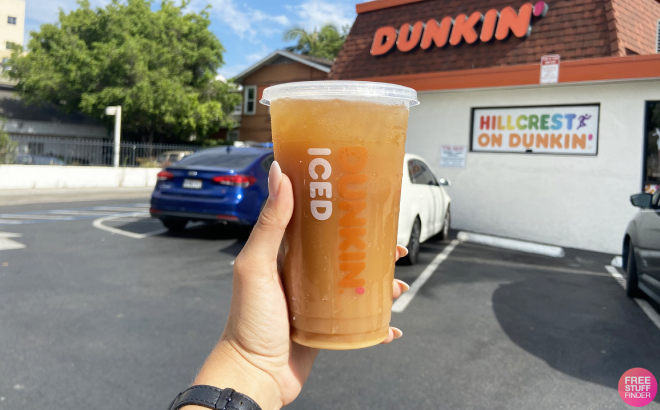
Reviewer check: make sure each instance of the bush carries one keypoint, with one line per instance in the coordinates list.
(8, 147)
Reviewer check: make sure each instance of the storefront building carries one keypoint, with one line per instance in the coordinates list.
(543, 152)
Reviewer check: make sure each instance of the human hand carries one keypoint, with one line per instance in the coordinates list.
(255, 355)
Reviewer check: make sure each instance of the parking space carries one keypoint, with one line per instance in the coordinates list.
(90, 315)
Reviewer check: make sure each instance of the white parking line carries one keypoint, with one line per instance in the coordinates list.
(513, 244)
(646, 307)
(403, 301)
(98, 223)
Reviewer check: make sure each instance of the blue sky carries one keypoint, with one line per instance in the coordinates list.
(248, 29)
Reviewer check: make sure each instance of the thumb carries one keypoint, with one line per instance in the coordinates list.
(265, 239)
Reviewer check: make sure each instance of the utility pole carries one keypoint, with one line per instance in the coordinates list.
(116, 111)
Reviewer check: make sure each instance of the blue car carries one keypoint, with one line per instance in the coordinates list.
(225, 184)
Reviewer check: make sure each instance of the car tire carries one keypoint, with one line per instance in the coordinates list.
(175, 225)
(413, 244)
(632, 288)
(444, 233)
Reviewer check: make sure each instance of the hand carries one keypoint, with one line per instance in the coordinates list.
(255, 355)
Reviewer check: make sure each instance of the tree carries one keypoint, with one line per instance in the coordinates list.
(7, 146)
(324, 43)
(160, 66)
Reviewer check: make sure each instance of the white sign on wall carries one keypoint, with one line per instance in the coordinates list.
(550, 69)
(567, 130)
(453, 156)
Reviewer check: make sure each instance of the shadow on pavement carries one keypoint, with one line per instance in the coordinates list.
(212, 232)
(576, 329)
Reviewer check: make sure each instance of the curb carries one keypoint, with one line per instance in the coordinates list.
(513, 244)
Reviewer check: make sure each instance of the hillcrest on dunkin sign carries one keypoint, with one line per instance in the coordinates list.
(493, 24)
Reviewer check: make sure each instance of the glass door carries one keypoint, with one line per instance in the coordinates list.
(651, 181)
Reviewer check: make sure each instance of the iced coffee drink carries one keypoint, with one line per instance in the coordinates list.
(342, 145)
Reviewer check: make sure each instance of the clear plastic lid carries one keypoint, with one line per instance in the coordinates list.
(383, 93)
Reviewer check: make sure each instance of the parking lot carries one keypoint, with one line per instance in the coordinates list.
(103, 309)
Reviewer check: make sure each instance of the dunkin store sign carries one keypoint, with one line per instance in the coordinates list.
(568, 130)
(494, 24)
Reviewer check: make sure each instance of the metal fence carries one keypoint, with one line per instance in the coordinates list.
(40, 150)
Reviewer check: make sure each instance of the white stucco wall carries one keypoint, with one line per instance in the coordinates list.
(44, 176)
(573, 201)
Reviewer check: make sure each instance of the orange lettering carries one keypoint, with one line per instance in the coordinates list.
(483, 140)
(408, 39)
(354, 208)
(464, 28)
(488, 26)
(579, 140)
(350, 179)
(352, 256)
(352, 238)
(528, 143)
(496, 139)
(514, 140)
(353, 269)
(436, 33)
(384, 40)
(541, 140)
(518, 23)
(353, 159)
(555, 141)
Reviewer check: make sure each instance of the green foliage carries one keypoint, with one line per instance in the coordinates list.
(7, 146)
(160, 66)
(324, 43)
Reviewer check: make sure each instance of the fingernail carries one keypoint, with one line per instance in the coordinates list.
(403, 251)
(274, 179)
(397, 332)
(404, 286)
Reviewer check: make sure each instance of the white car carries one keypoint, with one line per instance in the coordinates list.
(424, 207)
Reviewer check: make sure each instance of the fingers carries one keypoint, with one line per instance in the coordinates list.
(401, 251)
(395, 333)
(399, 287)
(265, 239)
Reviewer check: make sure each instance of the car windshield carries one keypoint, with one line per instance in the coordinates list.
(220, 158)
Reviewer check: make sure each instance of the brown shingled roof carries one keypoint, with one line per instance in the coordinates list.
(575, 29)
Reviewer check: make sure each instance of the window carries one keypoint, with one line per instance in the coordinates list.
(267, 162)
(250, 100)
(9, 45)
(227, 158)
(652, 147)
(657, 37)
(11, 20)
(420, 174)
(237, 110)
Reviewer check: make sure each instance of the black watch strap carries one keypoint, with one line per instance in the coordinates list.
(213, 398)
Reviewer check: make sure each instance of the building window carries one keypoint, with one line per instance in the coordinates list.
(10, 45)
(250, 100)
(652, 147)
(11, 20)
(657, 37)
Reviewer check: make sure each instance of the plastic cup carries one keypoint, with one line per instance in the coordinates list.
(342, 145)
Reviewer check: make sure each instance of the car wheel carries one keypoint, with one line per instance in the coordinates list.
(413, 244)
(175, 225)
(632, 290)
(444, 234)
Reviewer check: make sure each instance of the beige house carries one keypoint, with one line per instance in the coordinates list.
(277, 68)
(12, 25)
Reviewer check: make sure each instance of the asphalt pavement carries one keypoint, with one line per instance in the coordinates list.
(103, 309)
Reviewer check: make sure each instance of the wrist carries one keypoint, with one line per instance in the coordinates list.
(227, 368)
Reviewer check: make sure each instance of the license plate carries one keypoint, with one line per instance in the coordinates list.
(192, 183)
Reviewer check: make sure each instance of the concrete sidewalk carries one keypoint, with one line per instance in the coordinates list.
(44, 195)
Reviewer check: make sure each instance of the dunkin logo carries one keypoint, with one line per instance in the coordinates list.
(475, 27)
(352, 192)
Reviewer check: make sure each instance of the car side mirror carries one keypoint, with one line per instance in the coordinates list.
(641, 200)
(444, 182)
